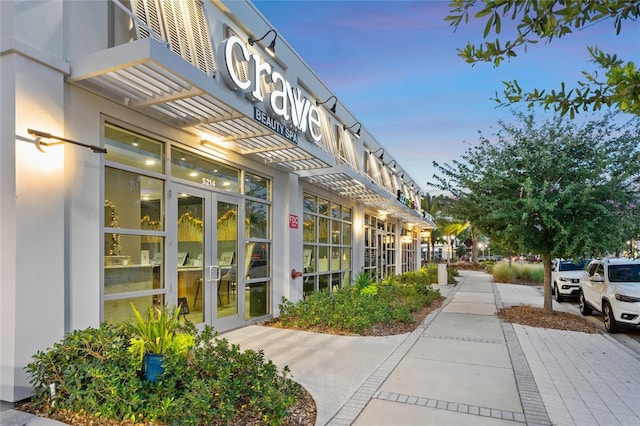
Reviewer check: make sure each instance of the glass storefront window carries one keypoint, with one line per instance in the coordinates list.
(327, 244)
(323, 258)
(335, 282)
(335, 211)
(380, 247)
(323, 230)
(257, 187)
(117, 311)
(346, 258)
(134, 230)
(204, 171)
(323, 207)
(346, 214)
(257, 296)
(257, 260)
(309, 228)
(336, 231)
(323, 282)
(133, 201)
(139, 266)
(257, 220)
(409, 246)
(309, 259)
(346, 234)
(309, 285)
(133, 149)
(335, 258)
(310, 203)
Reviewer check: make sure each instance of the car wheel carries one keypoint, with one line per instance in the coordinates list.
(609, 321)
(556, 292)
(585, 309)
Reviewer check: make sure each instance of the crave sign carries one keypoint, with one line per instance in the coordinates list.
(285, 104)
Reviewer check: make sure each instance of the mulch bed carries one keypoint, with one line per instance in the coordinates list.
(538, 317)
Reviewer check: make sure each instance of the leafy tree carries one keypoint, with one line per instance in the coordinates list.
(558, 189)
(545, 20)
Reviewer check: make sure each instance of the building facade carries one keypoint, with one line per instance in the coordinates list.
(161, 152)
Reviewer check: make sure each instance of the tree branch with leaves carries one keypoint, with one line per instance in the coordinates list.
(619, 87)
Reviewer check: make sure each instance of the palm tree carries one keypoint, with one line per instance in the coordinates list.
(453, 229)
(433, 206)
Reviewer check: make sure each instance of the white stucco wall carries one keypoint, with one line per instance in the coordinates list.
(32, 209)
(7, 225)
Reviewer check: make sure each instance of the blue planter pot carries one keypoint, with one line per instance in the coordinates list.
(152, 366)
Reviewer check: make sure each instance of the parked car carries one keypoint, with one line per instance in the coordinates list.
(565, 278)
(612, 287)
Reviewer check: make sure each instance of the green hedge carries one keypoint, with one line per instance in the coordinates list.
(356, 308)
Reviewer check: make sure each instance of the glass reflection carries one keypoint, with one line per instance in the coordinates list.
(204, 171)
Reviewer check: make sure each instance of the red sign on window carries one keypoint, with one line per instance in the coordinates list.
(293, 221)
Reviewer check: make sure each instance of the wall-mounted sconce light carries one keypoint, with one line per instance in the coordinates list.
(357, 134)
(333, 108)
(44, 135)
(376, 151)
(402, 176)
(272, 47)
(394, 165)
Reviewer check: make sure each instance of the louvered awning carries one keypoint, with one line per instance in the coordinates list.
(349, 183)
(146, 76)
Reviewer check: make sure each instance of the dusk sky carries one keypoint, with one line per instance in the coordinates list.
(394, 65)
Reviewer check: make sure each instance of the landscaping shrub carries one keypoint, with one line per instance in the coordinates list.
(452, 273)
(364, 284)
(533, 273)
(505, 273)
(215, 383)
(431, 269)
(488, 265)
(349, 310)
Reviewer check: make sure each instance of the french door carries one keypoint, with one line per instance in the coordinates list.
(209, 288)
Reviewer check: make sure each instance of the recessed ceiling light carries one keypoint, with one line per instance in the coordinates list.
(150, 162)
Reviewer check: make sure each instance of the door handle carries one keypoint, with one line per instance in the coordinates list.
(213, 273)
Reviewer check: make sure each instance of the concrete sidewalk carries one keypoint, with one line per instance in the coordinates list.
(457, 371)
(461, 366)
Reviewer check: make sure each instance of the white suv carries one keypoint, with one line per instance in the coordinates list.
(612, 286)
(565, 278)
